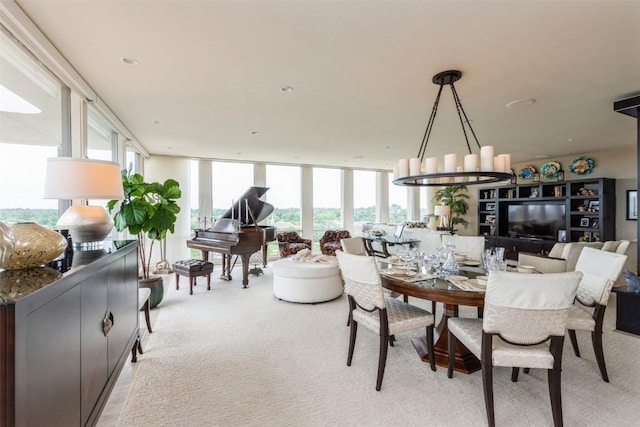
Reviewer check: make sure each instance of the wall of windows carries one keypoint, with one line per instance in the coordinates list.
(397, 202)
(30, 128)
(284, 194)
(230, 181)
(364, 198)
(327, 201)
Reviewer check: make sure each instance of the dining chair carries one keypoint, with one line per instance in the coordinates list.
(521, 313)
(600, 270)
(369, 307)
(471, 246)
(353, 245)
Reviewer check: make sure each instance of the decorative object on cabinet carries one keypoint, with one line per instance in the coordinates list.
(480, 168)
(550, 170)
(69, 178)
(584, 222)
(34, 245)
(7, 242)
(527, 172)
(490, 207)
(581, 165)
(594, 205)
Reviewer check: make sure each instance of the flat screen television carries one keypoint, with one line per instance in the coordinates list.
(536, 220)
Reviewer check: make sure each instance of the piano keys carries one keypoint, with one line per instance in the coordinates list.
(237, 233)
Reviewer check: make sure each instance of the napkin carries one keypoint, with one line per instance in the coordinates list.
(465, 285)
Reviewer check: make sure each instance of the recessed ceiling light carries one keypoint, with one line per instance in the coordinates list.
(254, 132)
(286, 89)
(129, 61)
(520, 103)
(157, 122)
(570, 140)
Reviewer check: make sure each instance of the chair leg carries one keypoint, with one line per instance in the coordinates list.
(192, 283)
(486, 360)
(451, 350)
(480, 312)
(554, 377)
(392, 339)
(596, 338)
(487, 382)
(514, 374)
(574, 342)
(209, 281)
(405, 298)
(382, 361)
(147, 316)
(134, 349)
(177, 281)
(430, 352)
(352, 340)
(433, 308)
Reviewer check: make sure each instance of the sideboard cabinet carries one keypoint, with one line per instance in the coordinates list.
(65, 336)
(570, 211)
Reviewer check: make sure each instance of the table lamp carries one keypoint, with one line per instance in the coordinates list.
(443, 212)
(70, 178)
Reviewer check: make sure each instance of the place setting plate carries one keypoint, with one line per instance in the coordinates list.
(471, 263)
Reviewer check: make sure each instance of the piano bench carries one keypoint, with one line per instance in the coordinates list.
(193, 268)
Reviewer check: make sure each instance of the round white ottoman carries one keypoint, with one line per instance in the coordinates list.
(307, 282)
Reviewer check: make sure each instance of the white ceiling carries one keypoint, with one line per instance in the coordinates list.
(212, 71)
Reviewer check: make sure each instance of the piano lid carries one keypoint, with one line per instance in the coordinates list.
(257, 209)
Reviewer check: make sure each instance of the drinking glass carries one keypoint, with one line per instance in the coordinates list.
(500, 253)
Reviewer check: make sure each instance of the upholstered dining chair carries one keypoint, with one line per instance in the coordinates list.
(471, 246)
(290, 242)
(600, 270)
(521, 313)
(330, 241)
(353, 245)
(383, 315)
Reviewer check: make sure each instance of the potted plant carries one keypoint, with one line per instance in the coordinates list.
(148, 210)
(454, 196)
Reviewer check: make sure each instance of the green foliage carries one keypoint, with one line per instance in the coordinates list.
(455, 197)
(45, 217)
(148, 210)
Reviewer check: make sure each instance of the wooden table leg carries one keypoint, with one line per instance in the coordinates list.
(465, 361)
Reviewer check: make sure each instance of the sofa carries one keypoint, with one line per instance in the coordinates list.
(564, 256)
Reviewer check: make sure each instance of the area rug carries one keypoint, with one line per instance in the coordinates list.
(241, 357)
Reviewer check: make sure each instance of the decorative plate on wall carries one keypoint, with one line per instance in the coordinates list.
(581, 165)
(550, 170)
(527, 172)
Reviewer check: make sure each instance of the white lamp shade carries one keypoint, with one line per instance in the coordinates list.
(441, 210)
(73, 178)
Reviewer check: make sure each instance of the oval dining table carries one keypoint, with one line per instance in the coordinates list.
(451, 297)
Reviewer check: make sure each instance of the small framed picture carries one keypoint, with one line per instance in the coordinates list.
(632, 205)
(491, 207)
(562, 235)
(584, 222)
(490, 219)
(594, 205)
(594, 223)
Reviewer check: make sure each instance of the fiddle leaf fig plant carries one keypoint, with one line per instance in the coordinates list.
(455, 197)
(149, 210)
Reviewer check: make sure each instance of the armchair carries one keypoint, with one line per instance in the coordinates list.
(330, 241)
(290, 242)
(561, 258)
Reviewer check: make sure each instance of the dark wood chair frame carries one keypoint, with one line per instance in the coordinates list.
(486, 352)
(385, 339)
(137, 345)
(596, 339)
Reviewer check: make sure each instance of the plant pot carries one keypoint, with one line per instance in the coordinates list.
(156, 284)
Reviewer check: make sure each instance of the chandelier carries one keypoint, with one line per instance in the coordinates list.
(481, 168)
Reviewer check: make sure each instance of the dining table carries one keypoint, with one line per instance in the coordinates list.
(451, 296)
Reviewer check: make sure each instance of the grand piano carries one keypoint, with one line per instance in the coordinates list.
(237, 233)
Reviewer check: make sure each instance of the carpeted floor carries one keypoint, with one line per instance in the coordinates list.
(241, 357)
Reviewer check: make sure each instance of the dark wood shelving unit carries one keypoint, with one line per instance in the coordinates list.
(590, 212)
